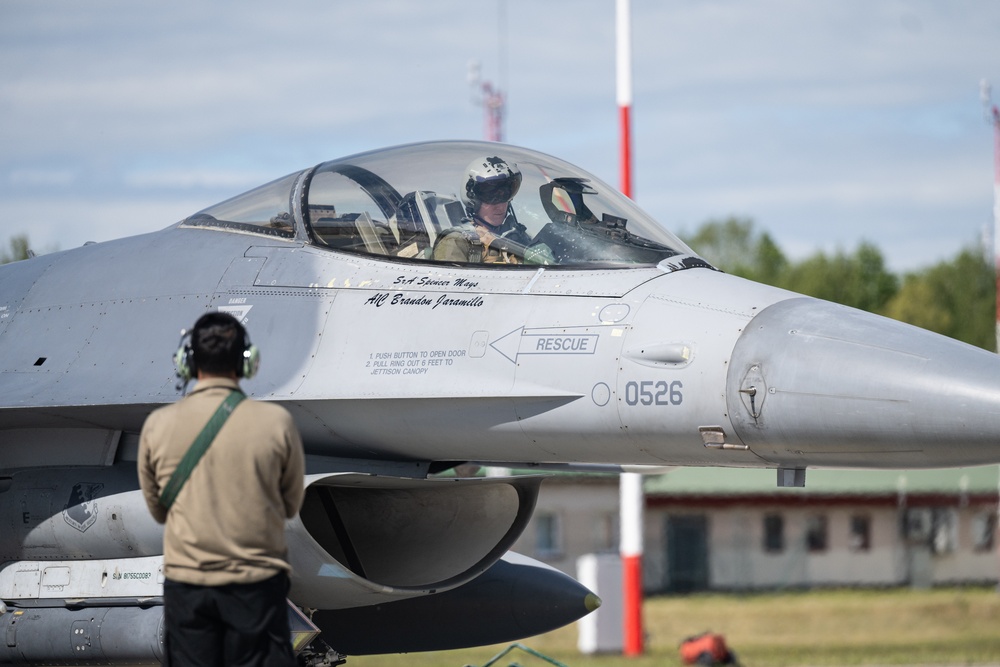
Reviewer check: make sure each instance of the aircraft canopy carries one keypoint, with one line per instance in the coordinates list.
(447, 202)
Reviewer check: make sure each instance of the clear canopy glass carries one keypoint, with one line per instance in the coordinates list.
(421, 202)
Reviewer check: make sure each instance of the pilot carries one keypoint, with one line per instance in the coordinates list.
(490, 232)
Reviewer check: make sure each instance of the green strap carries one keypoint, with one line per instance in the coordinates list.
(198, 448)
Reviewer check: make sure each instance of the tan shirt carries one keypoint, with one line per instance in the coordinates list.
(227, 524)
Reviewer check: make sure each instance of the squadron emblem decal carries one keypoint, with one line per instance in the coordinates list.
(81, 510)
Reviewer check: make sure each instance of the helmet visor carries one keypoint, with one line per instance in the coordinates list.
(497, 190)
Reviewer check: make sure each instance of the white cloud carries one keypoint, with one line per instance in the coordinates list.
(69, 223)
(197, 178)
(866, 112)
(42, 177)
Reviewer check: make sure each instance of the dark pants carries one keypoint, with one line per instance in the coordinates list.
(237, 625)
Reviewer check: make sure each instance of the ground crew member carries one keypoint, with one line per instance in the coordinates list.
(224, 553)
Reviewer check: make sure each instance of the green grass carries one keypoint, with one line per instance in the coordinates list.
(950, 626)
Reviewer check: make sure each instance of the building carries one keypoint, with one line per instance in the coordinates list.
(734, 529)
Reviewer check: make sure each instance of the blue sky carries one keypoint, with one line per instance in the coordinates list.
(826, 122)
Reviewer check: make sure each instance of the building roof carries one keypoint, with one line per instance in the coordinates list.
(689, 481)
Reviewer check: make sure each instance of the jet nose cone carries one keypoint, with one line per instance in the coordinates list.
(814, 383)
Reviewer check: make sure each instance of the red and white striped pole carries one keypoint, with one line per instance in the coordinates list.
(631, 508)
(995, 117)
(631, 500)
(623, 89)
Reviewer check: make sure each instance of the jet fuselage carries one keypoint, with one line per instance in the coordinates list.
(408, 335)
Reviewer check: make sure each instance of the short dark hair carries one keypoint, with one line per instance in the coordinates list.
(217, 343)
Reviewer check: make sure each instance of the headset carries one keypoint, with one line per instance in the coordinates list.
(187, 369)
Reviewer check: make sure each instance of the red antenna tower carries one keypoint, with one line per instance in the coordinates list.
(493, 102)
(493, 105)
(492, 99)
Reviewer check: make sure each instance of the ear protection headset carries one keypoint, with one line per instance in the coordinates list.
(187, 369)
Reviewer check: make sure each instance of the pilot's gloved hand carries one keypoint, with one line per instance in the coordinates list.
(539, 254)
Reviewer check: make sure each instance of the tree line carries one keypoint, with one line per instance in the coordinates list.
(18, 249)
(956, 297)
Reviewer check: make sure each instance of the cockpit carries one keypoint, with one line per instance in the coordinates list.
(453, 203)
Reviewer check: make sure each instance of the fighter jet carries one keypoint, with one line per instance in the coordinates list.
(420, 308)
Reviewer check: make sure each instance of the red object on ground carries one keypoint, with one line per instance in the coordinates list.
(705, 649)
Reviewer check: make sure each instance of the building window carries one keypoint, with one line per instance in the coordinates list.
(943, 530)
(548, 535)
(774, 533)
(861, 533)
(918, 525)
(816, 533)
(984, 528)
(606, 533)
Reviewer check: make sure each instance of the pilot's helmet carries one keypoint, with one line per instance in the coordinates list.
(491, 180)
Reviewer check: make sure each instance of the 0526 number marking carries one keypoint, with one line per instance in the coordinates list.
(653, 392)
